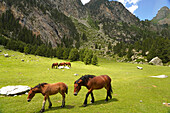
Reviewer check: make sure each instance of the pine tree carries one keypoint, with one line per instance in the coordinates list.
(26, 50)
(84, 37)
(73, 55)
(66, 53)
(82, 54)
(59, 52)
(109, 46)
(88, 56)
(94, 60)
(129, 53)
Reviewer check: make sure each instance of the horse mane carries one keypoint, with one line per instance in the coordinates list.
(85, 78)
(39, 85)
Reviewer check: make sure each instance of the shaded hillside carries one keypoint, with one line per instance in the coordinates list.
(44, 19)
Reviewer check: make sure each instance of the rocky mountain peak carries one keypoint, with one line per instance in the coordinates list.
(163, 12)
(163, 16)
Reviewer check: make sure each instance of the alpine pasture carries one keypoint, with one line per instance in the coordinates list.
(134, 91)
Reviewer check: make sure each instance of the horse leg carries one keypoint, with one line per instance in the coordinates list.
(85, 101)
(43, 107)
(92, 100)
(109, 90)
(63, 101)
(50, 104)
(107, 96)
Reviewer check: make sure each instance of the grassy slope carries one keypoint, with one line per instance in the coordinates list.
(130, 85)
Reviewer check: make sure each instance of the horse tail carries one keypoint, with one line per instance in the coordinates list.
(110, 89)
(66, 89)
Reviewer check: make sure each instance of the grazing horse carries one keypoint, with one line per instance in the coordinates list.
(68, 64)
(92, 82)
(55, 64)
(62, 64)
(46, 90)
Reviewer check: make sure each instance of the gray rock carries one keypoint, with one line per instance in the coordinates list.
(14, 90)
(6, 55)
(156, 61)
(160, 76)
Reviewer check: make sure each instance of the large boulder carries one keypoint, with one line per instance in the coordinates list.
(14, 90)
(156, 61)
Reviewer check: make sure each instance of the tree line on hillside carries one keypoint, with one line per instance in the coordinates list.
(73, 54)
(159, 47)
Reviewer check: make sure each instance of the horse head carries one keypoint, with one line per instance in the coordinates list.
(31, 94)
(77, 86)
(36, 89)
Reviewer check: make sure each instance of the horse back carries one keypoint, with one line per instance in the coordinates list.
(57, 87)
(99, 82)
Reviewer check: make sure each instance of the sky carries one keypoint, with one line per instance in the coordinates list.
(143, 9)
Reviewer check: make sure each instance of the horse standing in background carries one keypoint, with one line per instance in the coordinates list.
(68, 64)
(92, 82)
(54, 65)
(61, 64)
(46, 90)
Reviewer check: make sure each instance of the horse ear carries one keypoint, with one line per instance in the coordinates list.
(80, 81)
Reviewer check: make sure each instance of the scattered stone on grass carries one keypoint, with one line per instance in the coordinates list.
(66, 67)
(6, 55)
(138, 67)
(154, 86)
(76, 74)
(62, 67)
(160, 76)
(166, 104)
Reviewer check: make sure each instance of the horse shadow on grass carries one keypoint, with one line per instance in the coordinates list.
(58, 107)
(98, 102)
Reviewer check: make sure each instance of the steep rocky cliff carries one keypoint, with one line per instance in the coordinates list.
(163, 16)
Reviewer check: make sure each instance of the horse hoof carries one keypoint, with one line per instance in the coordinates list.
(106, 100)
(62, 106)
(92, 101)
(84, 105)
(42, 110)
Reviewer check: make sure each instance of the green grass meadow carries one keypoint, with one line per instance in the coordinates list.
(133, 90)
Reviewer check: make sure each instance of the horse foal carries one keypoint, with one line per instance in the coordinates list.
(46, 90)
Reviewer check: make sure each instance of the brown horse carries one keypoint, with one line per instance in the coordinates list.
(46, 90)
(62, 64)
(55, 64)
(68, 64)
(92, 82)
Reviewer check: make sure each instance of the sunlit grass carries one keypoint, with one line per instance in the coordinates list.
(133, 89)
